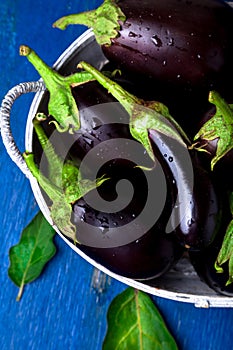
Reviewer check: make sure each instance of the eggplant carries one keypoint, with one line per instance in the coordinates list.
(182, 43)
(158, 39)
(204, 261)
(182, 46)
(196, 212)
(145, 258)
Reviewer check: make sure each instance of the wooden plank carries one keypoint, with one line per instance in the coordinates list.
(66, 308)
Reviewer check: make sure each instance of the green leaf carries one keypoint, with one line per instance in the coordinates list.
(134, 323)
(220, 127)
(34, 250)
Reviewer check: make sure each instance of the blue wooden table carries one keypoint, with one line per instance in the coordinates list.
(66, 307)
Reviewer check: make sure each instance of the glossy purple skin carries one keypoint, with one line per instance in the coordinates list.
(145, 258)
(199, 215)
(177, 43)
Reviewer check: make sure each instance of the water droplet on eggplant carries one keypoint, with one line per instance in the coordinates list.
(156, 41)
(132, 35)
(190, 222)
(127, 24)
(88, 141)
(171, 42)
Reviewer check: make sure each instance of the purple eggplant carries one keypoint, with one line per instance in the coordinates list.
(184, 45)
(204, 261)
(148, 257)
(196, 212)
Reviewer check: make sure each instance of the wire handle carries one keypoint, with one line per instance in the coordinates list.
(5, 115)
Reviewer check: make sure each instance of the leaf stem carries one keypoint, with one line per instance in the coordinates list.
(20, 293)
(138, 318)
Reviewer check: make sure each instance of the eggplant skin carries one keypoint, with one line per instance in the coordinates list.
(203, 263)
(148, 257)
(196, 214)
(179, 43)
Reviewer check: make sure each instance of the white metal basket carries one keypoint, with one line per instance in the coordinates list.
(181, 283)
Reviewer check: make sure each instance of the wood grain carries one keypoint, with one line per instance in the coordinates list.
(65, 308)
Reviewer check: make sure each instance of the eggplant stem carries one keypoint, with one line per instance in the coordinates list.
(84, 18)
(143, 115)
(104, 21)
(126, 99)
(55, 163)
(62, 105)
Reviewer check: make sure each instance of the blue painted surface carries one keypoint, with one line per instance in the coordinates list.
(62, 309)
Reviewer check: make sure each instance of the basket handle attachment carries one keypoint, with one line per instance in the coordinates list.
(5, 115)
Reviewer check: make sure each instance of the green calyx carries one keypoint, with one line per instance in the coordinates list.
(226, 252)
(143, 115)
(60, 210)
(62, 105)
(105, 21)
(64, 185)
(219, 127)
